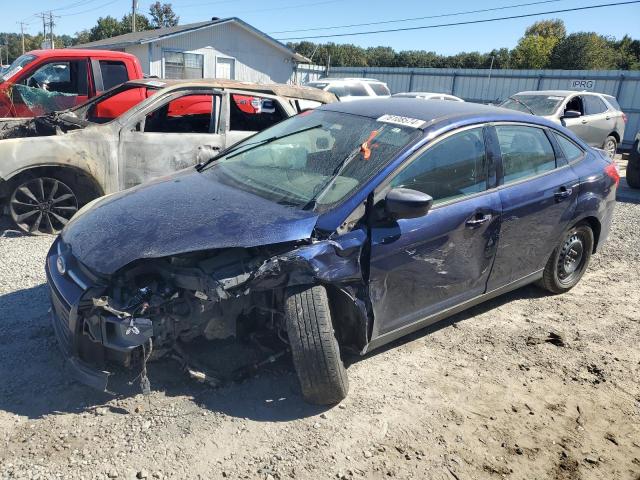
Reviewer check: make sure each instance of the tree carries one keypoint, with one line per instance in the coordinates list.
(584, 51)
(535, 48)
(162, 15)
(142, 23)
(547, 28)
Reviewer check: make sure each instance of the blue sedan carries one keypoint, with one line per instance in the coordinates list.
(342, 228)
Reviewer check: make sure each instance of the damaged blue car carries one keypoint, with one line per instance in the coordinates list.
(342, 228)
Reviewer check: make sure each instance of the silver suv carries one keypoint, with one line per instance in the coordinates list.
(594, 117)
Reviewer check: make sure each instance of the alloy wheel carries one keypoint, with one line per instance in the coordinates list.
(610, 147)
(42, 205)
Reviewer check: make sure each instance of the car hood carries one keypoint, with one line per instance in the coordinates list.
(184, 212)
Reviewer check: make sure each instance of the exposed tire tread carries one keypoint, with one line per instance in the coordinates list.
(315, 350)
(633, 168)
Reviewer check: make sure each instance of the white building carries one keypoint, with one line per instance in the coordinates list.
(220, 48)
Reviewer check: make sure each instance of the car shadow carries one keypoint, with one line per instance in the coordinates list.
(8, 228)
(34, 381)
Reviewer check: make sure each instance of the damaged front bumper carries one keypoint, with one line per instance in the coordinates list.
(63, 318)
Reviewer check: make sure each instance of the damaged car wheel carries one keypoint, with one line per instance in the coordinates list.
(42, 205)
(315, 350)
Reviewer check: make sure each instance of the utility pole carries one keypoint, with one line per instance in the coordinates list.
(51, 29)
(134, 5)
(22, 24)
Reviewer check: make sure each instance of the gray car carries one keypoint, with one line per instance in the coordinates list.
(594, 117)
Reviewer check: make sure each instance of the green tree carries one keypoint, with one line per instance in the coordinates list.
(584, 51)
(547, 28)
(380, 56)
(162, 15)
(535, 48)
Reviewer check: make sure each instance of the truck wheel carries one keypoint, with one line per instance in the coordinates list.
(610, 146)
(633, 167)
(569, 260)
(315, 350)
(42, 205)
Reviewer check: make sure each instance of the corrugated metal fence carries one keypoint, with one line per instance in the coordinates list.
(484, 86)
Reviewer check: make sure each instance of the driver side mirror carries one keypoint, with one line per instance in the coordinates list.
(571, 114)
(406, 203)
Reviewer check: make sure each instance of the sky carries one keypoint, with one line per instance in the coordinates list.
(278, 16)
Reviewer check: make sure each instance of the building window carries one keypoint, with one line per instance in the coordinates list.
(182, 65)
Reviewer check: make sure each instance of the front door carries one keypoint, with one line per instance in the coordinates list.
(422, 266)
(169, 136)
(538, 201)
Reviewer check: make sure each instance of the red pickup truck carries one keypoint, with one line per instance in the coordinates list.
(42, 81)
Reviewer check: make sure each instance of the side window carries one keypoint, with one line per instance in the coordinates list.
(575, 104)
(379, 89)
(594, 105)
(195, 113)
(571, 151)
(113, 73)
(526, 151)
(357, 90)
(338, 90)
(112, 107)
(250, 113)
(452, 168)
(54, 86)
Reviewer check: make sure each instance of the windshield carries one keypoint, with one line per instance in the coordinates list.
(17, 65)
(313, 160)
(539, 104)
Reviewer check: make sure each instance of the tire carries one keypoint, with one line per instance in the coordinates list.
(42, 205)
(569, 260)
(633, 167)
(610, 146)
(315, 350)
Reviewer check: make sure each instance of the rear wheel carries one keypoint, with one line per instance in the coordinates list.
(42, 205)
(569, 260)
(633, 167)
(611, 146)
(315, 350)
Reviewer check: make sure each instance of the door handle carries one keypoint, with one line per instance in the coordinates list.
(563, 193)
(584, 122)
(478, 219)
(607, 117)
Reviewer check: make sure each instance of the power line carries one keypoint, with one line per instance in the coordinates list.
(468, 22)
(454, 14)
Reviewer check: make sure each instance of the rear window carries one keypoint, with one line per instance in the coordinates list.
(614, 102)
(571, 151)
(380, 89)
(594, 105)
(113, 73)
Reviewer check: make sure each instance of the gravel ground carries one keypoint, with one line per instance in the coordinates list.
(486, 395)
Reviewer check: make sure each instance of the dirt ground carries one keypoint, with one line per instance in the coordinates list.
(527, 386)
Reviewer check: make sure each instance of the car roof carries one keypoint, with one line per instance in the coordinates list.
(435, 113)
(281, 90)
(557, 93)
(346, 79)
(78, 52)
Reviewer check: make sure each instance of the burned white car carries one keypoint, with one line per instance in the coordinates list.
(51, 166)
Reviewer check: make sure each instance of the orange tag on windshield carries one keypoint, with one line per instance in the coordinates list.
(365, 149)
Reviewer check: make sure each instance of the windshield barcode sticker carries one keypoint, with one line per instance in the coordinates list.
(404, 121)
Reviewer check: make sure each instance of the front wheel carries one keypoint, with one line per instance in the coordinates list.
(569, 260)
(633, 167)
(42, 205)
(315, 350)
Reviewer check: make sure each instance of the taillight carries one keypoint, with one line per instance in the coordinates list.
(612, 171)
(624, 117)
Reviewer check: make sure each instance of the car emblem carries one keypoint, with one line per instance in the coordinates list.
(61, 265)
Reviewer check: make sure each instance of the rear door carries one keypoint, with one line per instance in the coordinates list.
(538, 194)
(169, 134)
(424, 265)
(601, 121)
